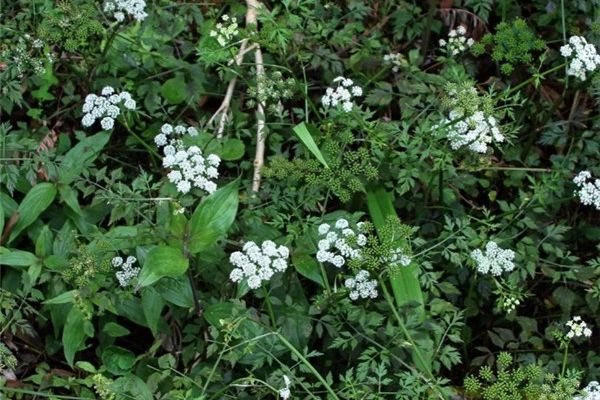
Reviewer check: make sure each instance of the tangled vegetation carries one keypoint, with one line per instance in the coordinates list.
(299, 199)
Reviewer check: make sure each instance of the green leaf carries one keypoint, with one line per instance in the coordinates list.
(74, 334)
(2, 216)
(405, 284)
(66, 297)
(17, 258)
(380, 96)
(117, 360)
(308, 267)
(233, 149)
(86, 366)
(113, 329)
(177, 291)
(35, 202)
(303, 131)
(174, 90)
(219, 311)
(80, 157)
(152, 304)
(213, 217)
(69, 197)
(162, 261)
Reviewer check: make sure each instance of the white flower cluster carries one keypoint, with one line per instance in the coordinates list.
(591, 392)
(577, 328)
(361, 287)
(225, 31)
(342, 94)
(258, 264)
(127, 272)
(339, 243)
(588, 189)
(457, 41)
(395, 59)
(510, 303)
(399, 258)
(495, 260)
(285, 392)
(134, 8)
(475, 131)
(189, 168)
(583, 57)
(105, 107)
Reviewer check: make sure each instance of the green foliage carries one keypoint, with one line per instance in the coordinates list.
(512, 45)
(117, 281)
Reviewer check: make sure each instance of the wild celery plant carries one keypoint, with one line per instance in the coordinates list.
(299, 199)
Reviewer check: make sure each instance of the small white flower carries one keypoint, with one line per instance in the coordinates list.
(361, 287)
(588, 189)
(578, 328)
(134, 8)
(495, 260)
(457, 41)
(257, 264)
(583, 57)
(103, 107)
(285, 392)
(342, 94)
(127, 271)
(590, 392)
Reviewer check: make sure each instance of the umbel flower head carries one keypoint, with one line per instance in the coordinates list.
(340, 243)
(590, 392)
(457, 41)
(121, 8)
(105, 107)
(225, 31)
(577, 328)
(495, 260)
(257, 264)
(342, 95)
(188, 166)
(127, 271)
(583, 57)
(361, 286)
(588, 189)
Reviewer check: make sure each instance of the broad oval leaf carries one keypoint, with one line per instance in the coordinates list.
(213, 217)
(162, 261)
(35, 202)
(74, 334)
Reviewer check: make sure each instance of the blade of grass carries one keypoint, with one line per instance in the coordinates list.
(303, 131)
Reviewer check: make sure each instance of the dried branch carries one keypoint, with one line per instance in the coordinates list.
(259, 157)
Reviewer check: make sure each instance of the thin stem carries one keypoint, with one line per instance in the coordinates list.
(564, 364)
(528, 81)
(270, 308)
(325, 280)
(308, 365)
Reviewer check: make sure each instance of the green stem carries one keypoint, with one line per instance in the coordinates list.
(270, 308)
(564, 364)
(325, 281)
(308, 365)
(528, 81)
(416, 350)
